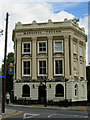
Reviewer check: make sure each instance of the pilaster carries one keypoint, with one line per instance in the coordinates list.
(66, 53)
(34, 74)
(84, 59)
(50, 67)
(18, 65)
(71, 57)
(78, 66)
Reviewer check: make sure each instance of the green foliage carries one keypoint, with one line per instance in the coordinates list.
(9, 78)
(10, 59)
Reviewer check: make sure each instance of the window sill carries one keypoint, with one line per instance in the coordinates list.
(26, 75)
(58, 75)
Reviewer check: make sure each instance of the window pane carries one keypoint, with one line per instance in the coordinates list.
(58, 67)
(42, 47)
(26, 67)
(26, 47)
(42, 67)
(58, 46)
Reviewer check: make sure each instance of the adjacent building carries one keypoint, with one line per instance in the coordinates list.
(50, 61)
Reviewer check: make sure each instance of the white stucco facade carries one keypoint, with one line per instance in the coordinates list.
(52, 54)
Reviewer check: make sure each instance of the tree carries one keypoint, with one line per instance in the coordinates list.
(9, 78)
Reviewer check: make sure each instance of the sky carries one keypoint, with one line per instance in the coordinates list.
(25, 11)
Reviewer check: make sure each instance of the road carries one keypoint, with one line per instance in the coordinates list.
(27, 113)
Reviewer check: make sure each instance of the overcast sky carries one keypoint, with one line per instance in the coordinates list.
(26, 11)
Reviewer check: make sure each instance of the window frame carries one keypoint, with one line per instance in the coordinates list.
(23, 91)
(23, 68)
(75, 48)
(38, 67)
(59, 94)
(23, 47)
(76, 90)
(81, 70)
(58, 41)
(81, 50)
(46, 46)
(55, 67)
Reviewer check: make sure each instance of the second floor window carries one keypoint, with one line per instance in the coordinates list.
(26, 67)
(42, 47)
(58, 67)
(58, 47)
(42, 67)
(26, 48)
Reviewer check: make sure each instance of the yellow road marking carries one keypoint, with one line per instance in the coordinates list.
(19, 112)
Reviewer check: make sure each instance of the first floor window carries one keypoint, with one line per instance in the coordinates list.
(26, 67)
(42, 67)
(58, 67)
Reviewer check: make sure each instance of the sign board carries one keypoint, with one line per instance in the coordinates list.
(2, 76)
(11, 69)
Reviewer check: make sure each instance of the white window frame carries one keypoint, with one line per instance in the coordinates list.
(81, 70)
(38, 67)
(23, 68)
(38, 46)
(75, 65)
(76, 90)
(23, 48)
(62, 67)
(75, 47)
(58, 42)
(81, 50)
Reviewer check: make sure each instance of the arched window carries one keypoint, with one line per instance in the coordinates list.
(26, 91)
(59, 91)
(76, 90)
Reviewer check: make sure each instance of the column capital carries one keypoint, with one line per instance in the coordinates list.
(50, 37)
(34, 38)
(66, 36)
(19, 41)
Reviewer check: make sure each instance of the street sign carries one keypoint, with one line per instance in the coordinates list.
(11, 69)
(2, 76)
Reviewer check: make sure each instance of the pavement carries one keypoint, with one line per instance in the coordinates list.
(12, 111)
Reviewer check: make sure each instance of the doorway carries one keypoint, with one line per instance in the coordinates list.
(42, 93)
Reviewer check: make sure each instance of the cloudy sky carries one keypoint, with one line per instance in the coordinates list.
(26, 11)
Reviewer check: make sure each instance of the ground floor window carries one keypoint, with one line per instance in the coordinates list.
(59, 91)
(26, 91)
(76, 90)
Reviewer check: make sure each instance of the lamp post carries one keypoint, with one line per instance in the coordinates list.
(4, 80)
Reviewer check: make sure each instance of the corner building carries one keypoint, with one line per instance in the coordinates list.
(49, 60)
